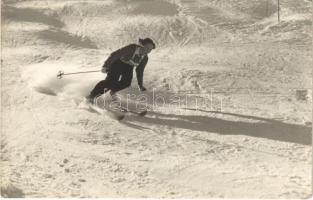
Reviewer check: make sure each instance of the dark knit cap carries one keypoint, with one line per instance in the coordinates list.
(147, 41)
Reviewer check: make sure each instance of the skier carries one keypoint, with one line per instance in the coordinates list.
(119, 68)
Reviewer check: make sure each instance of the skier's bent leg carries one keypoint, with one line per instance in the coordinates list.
(99, 89)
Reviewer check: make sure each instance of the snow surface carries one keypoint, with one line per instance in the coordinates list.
(243, 133)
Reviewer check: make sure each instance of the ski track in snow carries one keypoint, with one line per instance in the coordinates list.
(258, 146)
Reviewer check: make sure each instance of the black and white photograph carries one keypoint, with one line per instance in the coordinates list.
(158, 99)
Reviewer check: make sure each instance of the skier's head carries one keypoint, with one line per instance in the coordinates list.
(147, 44)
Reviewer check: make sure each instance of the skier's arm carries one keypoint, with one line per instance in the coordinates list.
(139, 71)
(125, 51)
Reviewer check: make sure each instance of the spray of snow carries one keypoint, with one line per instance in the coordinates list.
(43, 78)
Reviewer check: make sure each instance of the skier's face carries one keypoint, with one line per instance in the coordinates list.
(147, 48)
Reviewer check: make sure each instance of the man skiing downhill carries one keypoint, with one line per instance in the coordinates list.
(119, 68)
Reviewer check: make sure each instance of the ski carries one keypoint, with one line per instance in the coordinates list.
(115, 114)
(139, 113)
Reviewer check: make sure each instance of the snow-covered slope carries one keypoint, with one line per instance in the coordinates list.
(241, 133)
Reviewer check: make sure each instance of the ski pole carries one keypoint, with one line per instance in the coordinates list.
(61, 73)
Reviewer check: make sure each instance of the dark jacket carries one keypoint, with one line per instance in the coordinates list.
(129, 56)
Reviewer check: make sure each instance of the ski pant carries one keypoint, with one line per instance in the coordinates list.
(118, 78)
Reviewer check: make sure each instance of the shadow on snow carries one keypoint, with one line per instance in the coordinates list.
(268, 128)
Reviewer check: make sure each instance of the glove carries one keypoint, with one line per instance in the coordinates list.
(141, 88)
(104, 70)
